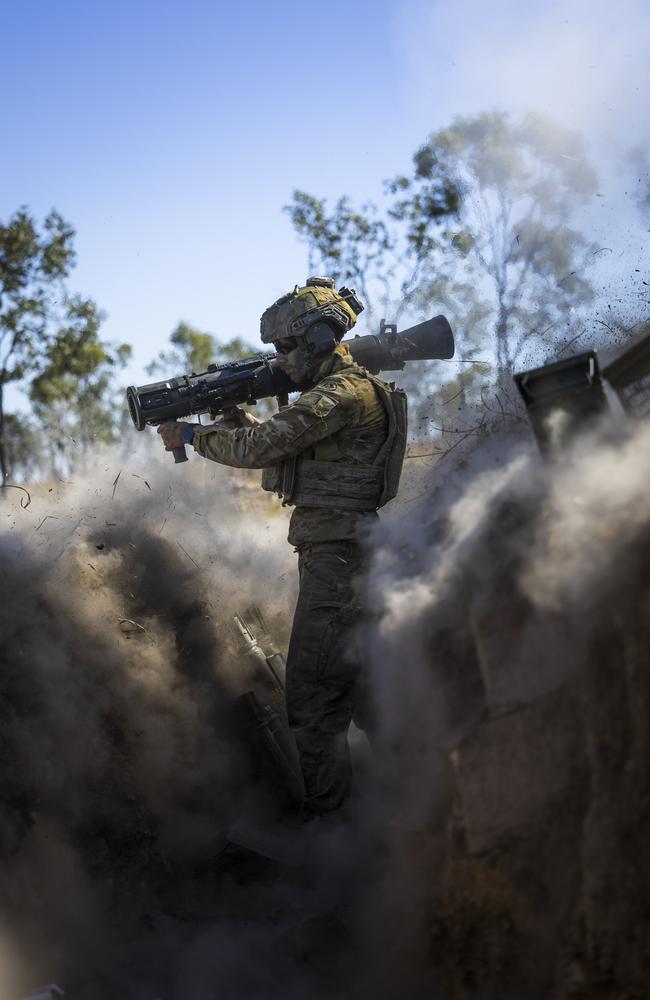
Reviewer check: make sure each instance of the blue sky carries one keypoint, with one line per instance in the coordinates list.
(171, 134)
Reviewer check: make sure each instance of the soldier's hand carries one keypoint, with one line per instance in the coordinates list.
(172, 433)
(234, 417)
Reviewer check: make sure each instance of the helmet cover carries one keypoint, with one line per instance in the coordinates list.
(316, 301)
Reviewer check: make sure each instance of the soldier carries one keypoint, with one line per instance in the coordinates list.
(335, 454)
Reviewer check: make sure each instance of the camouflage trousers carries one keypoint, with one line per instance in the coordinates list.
(324, 687)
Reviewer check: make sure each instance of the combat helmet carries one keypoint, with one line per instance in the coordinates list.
(309, 306)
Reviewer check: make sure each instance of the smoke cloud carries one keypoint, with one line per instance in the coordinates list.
(581, 62)
(512, 609)
(119, 668)
(501, 600)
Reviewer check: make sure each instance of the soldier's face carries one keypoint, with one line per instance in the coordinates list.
(294, 359)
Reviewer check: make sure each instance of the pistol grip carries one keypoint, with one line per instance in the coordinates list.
(180, 455)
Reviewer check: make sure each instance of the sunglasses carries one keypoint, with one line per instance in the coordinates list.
(287, 345)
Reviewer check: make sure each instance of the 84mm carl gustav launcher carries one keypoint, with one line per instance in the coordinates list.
(248, 380)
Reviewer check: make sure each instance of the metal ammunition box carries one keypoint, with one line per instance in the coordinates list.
(629, 375)
(563, 398)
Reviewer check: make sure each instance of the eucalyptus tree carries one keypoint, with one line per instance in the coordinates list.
(49, 343)
(481, 226)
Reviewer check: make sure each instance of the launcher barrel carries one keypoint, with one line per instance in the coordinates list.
(251, 379)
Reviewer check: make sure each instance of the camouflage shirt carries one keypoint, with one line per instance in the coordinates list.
(341, 419)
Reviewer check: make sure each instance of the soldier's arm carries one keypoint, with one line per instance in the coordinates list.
(316, 415)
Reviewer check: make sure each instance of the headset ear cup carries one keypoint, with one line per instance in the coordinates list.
(321, 338)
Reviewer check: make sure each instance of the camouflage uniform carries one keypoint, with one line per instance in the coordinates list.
(341, 420)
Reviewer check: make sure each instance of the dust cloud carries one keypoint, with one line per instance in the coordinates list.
(508, 650)
(508, 618)
(119, 669)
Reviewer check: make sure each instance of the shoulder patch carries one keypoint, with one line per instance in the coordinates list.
(324, 405)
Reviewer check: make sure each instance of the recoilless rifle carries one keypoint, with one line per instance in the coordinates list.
(222, 387)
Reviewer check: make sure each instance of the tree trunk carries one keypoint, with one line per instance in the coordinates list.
(504, 361)
(4, 466)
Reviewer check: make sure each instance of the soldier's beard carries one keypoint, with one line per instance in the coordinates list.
(301, 365)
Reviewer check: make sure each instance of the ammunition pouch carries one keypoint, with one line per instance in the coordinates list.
(281, 479)
(306, 483)
(337, 486)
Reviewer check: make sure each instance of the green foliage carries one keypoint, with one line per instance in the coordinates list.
(31, 265)
(481, 228)
(73, 394)
(520, 182)
(350, 246)
(193, 350)
(26, 449)
(49, 342)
